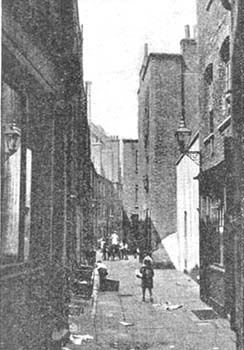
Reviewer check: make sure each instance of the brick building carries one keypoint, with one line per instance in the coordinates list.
(160, 109)
(130, 187)
(186, 256)
(45, 159)
(106, 207)
(234, 215)
(105, 155)
(105, 150)
(216, 255)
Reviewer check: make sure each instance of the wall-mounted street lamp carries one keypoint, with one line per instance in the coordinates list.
(12, 137)
(183, 136)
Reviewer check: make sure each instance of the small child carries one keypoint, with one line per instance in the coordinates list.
(147, 274)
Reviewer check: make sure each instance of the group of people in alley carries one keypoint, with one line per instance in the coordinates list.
(112, 248)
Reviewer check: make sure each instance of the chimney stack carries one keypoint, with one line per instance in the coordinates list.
(195, 32)
(88, 98)
(145, 50)
(187, 32)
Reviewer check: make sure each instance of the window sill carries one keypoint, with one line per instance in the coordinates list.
(224, 125)
(217, 267)
(208, 138)
(209, 5)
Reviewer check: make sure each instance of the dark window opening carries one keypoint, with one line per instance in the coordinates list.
(211, 121)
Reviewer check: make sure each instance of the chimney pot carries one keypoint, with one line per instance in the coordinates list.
(146, 50)
(187, 31)
(195, 32)
(88, 96)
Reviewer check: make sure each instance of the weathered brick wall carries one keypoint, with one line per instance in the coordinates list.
(111, 159)
(130, 176)
(44, 66)
(107, 207)
(213, 31)
(213, 28)
(160, 92)
(189, 52)
(188, 169)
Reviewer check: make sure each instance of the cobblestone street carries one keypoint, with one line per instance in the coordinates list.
(120, 320)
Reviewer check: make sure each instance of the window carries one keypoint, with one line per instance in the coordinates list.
(215, 211)
(208, 78)
(227, 76)
(146, 183)
(16, 182)
(136, 194)
(136, 161)
(146, 128)
(211, 121)
(27, 204)
(221, 233)
(225, 62)
(146, 121)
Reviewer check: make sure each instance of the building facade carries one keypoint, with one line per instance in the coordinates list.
(105, 154)
(216, 258)
(45, 160)
(187, 169)
(234, 216)
(188, 165)
(106, 207)
(130, 187)
(106, 158)
(160, 109)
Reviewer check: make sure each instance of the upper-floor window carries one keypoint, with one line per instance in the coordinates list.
(226, 74)
(208, 79)
(136, 193)
(136, 162)
(209, 96)
(211, 121)
(146, 121)
(146, 127)
(16, 175)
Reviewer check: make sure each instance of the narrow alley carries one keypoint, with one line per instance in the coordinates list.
(120, 320)
(122, 129)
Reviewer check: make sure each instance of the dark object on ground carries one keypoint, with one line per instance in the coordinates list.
(102, 277)
(82, 281)
(206, 314)
(111, 285)
(163, 265)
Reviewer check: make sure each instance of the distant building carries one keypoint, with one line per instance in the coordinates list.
(130, 185)
(160, 109)
(106, 207)
(130, 177)
(105, 153)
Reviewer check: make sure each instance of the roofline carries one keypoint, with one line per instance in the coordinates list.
(130, 140)
(172, 56)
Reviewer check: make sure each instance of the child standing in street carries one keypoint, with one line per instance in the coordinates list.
(147, 274)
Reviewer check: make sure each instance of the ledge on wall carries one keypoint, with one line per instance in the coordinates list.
(224, 125)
